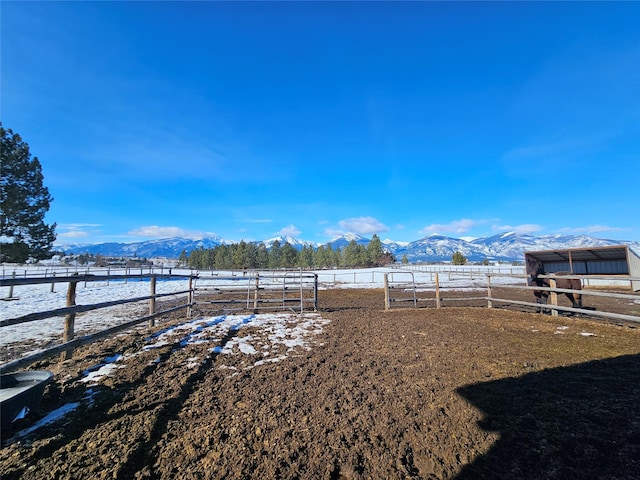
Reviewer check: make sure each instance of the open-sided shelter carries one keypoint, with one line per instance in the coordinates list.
(613, 260)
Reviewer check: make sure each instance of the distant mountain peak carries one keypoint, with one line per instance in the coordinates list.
(348, 236)
(505, 246)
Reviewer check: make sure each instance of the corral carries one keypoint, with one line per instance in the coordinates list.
(457, 392)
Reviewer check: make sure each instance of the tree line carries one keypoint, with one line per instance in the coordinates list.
(250, 255)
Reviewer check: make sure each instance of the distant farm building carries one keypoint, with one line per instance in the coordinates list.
(616, 261)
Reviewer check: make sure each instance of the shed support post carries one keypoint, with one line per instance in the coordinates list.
(553, 297)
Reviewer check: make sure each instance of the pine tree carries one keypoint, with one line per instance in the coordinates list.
(288, 256)
(320, 257)
(375, 251)
(354, 255)
(274, 255)
(24, 201)
(262, 256)
(305, 257)
(458, 258)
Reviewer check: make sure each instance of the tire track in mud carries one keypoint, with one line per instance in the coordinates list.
(140, 461)
(141, 407)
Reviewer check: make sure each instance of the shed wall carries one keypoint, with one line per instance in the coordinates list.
(634, 268)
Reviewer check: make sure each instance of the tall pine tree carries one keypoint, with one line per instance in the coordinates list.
(24, 201)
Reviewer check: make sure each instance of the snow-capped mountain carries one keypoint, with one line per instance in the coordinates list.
(433, 248)
(438, 248)
(294, 242)
(344, 240)
(392, 246)
(168, 247)
(507, 246)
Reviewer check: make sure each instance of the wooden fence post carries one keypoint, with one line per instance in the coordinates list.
(489, 303)
(152, 301)
(438, 304)
(53, 284)
(387, 305)
(553, 296)
(255, 294)
(69, 320)
(190, 296)
(315, 292)
(13, 275)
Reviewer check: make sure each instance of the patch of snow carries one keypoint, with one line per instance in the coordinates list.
(50, 418)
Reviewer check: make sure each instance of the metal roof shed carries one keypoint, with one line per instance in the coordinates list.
(614, 260)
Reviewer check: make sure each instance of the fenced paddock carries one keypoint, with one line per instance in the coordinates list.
(204, 293)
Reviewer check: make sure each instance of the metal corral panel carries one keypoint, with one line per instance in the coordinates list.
(615, 260)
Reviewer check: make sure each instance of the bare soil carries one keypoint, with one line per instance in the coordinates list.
(461, 392)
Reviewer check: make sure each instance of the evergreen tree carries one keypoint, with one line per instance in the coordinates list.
(353, 255)
(262, 257)
(289, 256)
(334, 257)
(320, 257)
(223, 257)
(305, 257)
(405, 260)
(24, 201)
(375, 251)
(458, 258)
(274, 255)
(251, 255)
(239, 250)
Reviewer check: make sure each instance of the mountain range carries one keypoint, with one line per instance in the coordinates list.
(505, 247)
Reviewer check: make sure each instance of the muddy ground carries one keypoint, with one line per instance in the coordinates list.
(458, 393)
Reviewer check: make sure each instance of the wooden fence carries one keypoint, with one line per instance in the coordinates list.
(71, 309)
(406, 292)
(248, 290)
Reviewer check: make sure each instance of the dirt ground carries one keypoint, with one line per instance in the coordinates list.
(460, 392)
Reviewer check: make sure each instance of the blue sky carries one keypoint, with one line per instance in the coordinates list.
(251, 120)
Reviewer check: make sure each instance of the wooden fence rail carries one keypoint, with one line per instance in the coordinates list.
(553, 298)
(295, 291)
(79, 341)
(435, 289)
(69, 312)
(58, 312)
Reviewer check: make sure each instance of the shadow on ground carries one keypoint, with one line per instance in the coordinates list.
(578, 422)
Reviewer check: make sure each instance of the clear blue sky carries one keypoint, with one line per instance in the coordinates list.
(250, 120)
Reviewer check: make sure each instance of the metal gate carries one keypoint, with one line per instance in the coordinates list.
(255, 291)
